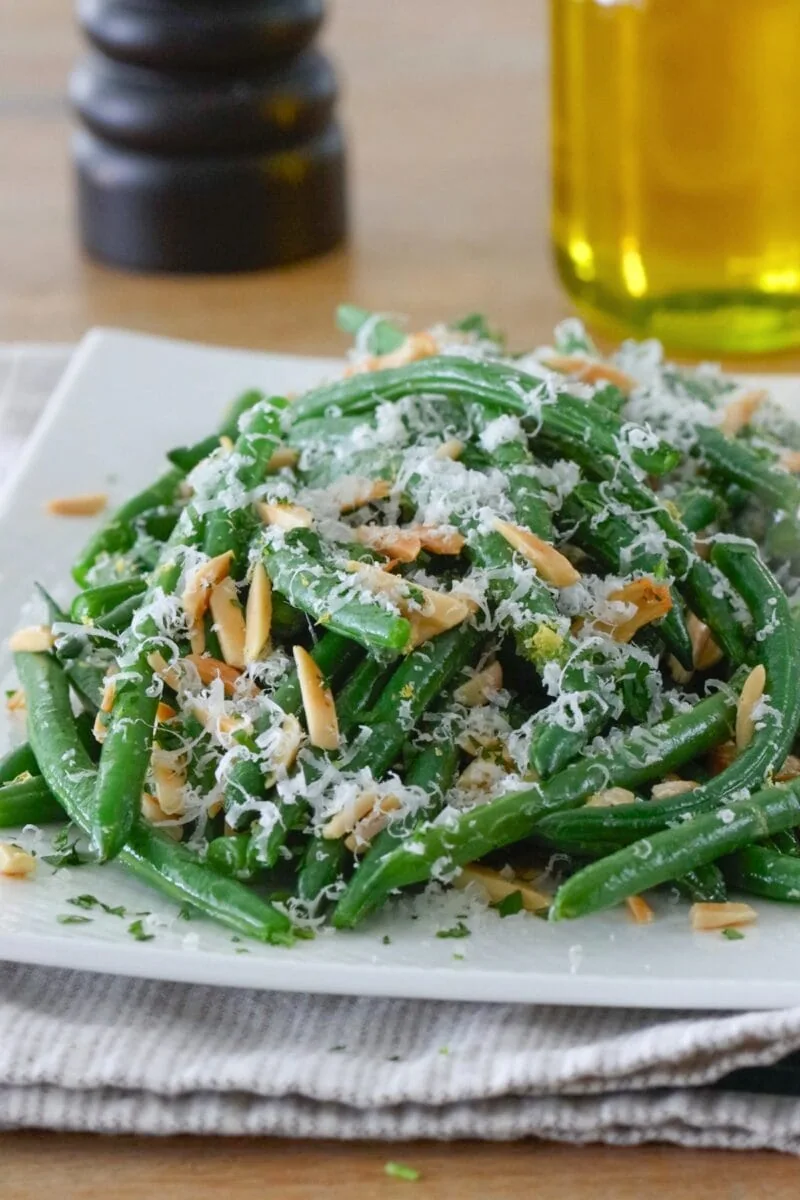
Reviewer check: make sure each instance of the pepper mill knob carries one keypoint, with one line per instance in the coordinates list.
(209, 140)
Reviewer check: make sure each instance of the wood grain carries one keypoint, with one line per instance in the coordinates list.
(445, 106)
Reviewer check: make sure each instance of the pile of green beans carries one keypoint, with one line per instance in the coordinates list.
(202, 758)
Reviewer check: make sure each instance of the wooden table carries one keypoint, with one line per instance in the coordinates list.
(446, 109)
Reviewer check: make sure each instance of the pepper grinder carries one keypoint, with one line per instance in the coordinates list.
(209, 140)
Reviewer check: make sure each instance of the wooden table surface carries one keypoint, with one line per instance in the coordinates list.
(445, 105)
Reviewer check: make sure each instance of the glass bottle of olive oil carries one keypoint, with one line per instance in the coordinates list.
(676, 156)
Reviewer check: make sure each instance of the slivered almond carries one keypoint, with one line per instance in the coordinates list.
(88, 505)
(351, 492)
(790, 461)
(678, 672)
(15, 861)
(652, 600)
(705, 651)
(548, 562)
(453, 448)
(429, 612)
(229, 622)
(34, 639)
(291, 738)
(400, 544)
(197, 595)
(480, 686)
(789, 770)
(739, 412)
(483, 774)
(720, 757)
(166, 671)
(496, 887)
(153, 814)
(258, 615)
(672, 787)
(284, 456)
(640, 910)
(752, 692)
(169, 776)
(438, 540)
(16, 702)
(609, 797)
(416, 346)
(589, 370)
(346, 819)
(210, 669)
(165, 712)
(320, 710)
(100, 727)
(721, 916)
(285, 516)
(226, 443)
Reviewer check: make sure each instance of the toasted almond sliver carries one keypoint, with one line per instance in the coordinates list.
(285, 516)
(497, 887)
(434, 613)
(416, 346)
(790, 461)
(548, 562)
(352, 492)
(752, 692)
(258, 615)
(439, 541)
(345, 821)
(483, 774)
(789, 770)
(284, 456)
(401, 544)
(226, 443)
(170, 674)
(210, 669)
(590, 370)
(705, 651)
(721, 916)
(15, 861)
(678, 672)
(109, 692)
(197, 594)
(99, 728)
(170, 781)
(652, 600)
(229, 622)
(88, 505)
(34, 639)
(740, 412)
(453, 448)
(16, 702)
(672, 787)
(320, 710)
(609, 797)
(291, 738)
(721, 756)
(152, 813)
(480, 686)
(640, 910)
(165, 712)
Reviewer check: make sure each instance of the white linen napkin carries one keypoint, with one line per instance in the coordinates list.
(92, 1052)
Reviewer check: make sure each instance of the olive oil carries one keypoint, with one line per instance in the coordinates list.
(676, 168)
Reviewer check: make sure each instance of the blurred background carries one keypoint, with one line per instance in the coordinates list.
(445, 108)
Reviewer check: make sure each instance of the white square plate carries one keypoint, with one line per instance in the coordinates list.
(123, 401)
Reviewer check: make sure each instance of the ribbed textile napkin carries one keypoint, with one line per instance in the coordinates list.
(93, 1052)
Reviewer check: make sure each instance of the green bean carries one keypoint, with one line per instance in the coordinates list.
(700, 507)
(100, 601)
(189, 457)
(761, 872)
(85, 676)
(453, 840)
(297, 572)
(18, 761)
(702, 840)
(733, 461)
(29, 802)
(704, 885)
(119, 534)
(581, 427)
(71, 776)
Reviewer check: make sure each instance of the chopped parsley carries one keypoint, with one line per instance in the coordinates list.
(64, 856)
(733, 935)
(137, 930)
(89, 901)
(386, 940)
(187, 911)
(458, 957)
(458, 930)
(396, 1170)
(73, 919)
(509, 905)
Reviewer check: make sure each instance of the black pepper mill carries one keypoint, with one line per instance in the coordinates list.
(209, 139)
